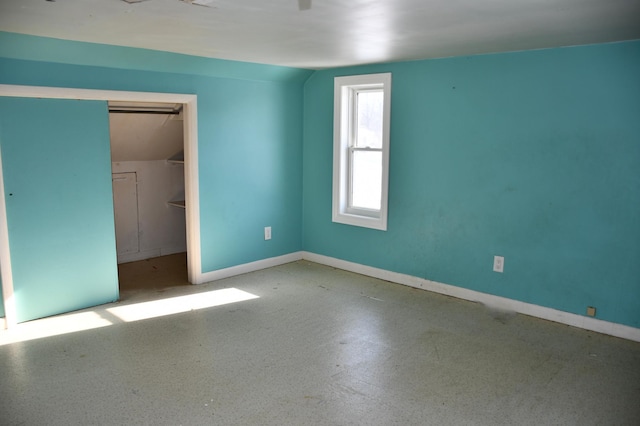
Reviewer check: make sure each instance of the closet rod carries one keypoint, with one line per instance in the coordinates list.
(129, 111)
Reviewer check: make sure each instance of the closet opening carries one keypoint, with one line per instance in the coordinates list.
(189, 112)
(148, 175)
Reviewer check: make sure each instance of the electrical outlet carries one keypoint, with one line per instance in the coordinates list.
(498, 264)
(591, 311)
(267, 232)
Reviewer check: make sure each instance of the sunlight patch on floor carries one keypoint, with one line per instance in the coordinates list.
(105, 316)
(176, 305)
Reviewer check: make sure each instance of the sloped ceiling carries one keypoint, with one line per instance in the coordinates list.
(333, 32)
(145, 137)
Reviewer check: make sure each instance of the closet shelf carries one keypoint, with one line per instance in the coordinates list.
(177, 159)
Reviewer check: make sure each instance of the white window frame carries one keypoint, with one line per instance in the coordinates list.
(345, 91)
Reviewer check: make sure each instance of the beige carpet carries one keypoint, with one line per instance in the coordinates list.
(157, 273)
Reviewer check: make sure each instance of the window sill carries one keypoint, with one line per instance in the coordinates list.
(377, 223)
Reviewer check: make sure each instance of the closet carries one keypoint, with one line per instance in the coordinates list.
(148, 179)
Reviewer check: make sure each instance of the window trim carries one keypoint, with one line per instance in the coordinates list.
(345, 89)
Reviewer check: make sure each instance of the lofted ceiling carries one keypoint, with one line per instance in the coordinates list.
(331, 33)
(145, 131)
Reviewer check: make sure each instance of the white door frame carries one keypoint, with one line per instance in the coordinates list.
(192, 193)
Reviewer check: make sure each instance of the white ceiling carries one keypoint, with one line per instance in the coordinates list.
(333, 32)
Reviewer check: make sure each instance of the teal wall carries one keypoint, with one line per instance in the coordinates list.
(51, 50)
(56, 165)
(249, 130)
(530, 155)
(534, 156)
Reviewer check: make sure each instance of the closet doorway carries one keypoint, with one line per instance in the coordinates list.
(192, 202)
(148, 175)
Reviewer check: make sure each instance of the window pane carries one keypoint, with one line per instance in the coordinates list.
(366, 179)
(369, 126)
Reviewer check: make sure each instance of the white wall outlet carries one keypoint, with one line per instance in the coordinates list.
(498, 263)
(267, 232)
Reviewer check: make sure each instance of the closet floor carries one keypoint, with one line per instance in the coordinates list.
(157, 274)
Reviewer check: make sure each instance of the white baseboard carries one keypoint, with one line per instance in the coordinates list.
(587, 323)
(248, 267)
(173, 250)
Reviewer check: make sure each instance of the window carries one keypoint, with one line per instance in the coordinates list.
(361, 150)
